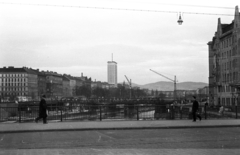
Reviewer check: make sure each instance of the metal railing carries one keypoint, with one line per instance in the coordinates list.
(125, 111)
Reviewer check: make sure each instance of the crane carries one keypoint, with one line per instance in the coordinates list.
(174, 81)
(130, 85)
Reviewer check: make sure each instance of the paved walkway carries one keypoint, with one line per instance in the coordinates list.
(9, 127)
(84, 151)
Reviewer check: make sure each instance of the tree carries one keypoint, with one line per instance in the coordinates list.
(162, 96)
(83, 91)
(152, 93)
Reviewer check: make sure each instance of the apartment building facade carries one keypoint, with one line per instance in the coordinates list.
(18, 82)
(224, 63)
(30, 84)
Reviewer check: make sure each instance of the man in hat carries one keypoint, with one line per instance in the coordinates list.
(42, 110)
(195, 106)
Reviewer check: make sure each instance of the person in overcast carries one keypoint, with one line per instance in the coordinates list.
(42, 110)
(195, 106)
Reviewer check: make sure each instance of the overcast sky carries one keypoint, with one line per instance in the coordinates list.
(75, 40)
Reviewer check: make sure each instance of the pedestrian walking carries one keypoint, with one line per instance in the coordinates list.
(195, 112)
(221, 111)
(42, 110)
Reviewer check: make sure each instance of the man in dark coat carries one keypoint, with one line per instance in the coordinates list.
(195, 106)
(42, 110)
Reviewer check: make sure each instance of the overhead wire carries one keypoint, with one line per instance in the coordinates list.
(171, 4)
(119, 9)
(125, 9)
(201, 6)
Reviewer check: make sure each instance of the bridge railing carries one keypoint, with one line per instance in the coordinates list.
(75, 111)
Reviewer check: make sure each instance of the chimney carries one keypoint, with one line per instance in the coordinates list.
(81, 74)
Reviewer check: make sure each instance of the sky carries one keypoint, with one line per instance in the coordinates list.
(75, 40)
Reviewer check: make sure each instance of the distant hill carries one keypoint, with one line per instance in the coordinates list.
(168, 86)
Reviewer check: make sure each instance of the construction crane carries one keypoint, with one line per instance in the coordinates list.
(130, 85)
(174, 81)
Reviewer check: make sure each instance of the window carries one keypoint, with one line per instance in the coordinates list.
(223, 101)
(228, 102)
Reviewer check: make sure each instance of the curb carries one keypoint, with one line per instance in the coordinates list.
(119, 128)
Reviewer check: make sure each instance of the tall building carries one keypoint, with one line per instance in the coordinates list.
(224, 63)
(112, 73)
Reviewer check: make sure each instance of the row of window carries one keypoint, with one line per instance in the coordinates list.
(225, 55)
(13, 75)
(229, 65)
(226, 89)
(227, 101)
(14, 94)
(55, 79)
(13, 84)
(226, 43)
(13, 79)
(229, 77)
(14, 89)
(228, 54)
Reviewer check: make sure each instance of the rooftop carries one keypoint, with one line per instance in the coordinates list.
(227, 27)
(112, 62)
(12, 69)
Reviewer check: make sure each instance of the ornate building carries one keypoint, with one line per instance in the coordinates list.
(224, 63)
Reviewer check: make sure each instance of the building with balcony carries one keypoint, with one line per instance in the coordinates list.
(224, 63)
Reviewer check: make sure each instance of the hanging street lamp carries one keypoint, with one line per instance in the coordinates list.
(180, 21)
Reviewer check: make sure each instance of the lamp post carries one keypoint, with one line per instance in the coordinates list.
(236, 101)
(238, 94)
(233, 98)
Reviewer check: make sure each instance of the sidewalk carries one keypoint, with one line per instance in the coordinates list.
(114, 125)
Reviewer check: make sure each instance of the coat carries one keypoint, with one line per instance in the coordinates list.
(195, 106)
(43, 108)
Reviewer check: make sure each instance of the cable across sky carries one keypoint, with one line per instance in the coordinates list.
(125, 9)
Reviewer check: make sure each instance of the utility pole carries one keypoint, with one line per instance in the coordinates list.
(130, 86)
(174, 82)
